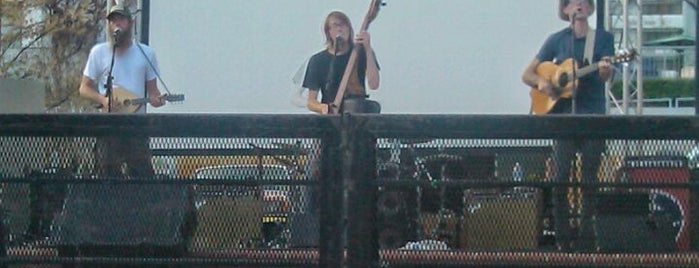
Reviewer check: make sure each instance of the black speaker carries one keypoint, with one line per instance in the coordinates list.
(97, 218)
(626, 224)
(394, 222)
(45, 200)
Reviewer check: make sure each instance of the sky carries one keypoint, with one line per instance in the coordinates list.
(436, 56)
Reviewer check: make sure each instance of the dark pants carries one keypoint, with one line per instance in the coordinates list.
(123, 156)
(564, 155)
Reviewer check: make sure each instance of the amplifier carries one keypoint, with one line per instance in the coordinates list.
(228, 222)
(501, 221)
(625, 224)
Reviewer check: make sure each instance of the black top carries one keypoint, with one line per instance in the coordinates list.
(319, 66)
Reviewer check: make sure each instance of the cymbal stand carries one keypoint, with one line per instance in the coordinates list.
(420, 171)
(440, 229)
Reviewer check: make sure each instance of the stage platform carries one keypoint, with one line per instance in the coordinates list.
(389, 258)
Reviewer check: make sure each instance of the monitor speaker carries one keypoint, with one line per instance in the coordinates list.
(100, 217)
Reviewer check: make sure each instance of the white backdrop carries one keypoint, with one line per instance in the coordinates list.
(436, 56)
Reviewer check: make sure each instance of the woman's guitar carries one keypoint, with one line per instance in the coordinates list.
(336, 105)
(561, 76)
(131, 103)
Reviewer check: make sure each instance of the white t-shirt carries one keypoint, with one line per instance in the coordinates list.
(131, 68)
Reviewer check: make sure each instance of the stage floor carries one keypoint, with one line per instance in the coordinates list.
(391, 258)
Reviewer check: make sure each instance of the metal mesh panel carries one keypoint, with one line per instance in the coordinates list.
(466, 194)
(263, 199)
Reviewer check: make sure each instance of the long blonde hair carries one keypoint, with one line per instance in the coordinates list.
(330, 40)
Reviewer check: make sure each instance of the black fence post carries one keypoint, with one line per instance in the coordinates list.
(694, 210)
(331, 246)
(363, 249)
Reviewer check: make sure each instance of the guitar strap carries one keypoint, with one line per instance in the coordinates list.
(589, 47)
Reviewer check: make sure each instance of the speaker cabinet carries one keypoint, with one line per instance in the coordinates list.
(626, 224)
(670, 203)
(396, 226)
(122, 216)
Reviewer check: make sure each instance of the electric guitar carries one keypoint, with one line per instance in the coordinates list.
(561, 76)
(336, 105)
(131, 103)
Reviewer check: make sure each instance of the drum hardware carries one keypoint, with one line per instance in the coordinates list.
(388, 171)
(419, 172)
(440, 229)
(279, 229)
(390, 203)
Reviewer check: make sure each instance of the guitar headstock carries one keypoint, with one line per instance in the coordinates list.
(373, 12)
(173, 97)
(374, 9)
(625, 55)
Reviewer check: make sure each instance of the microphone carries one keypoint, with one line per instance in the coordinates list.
(117, 34)
(338, 37)
(577, 12)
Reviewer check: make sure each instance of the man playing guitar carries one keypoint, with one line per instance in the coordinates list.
(578, 41)
(326, 68)
(134, 69)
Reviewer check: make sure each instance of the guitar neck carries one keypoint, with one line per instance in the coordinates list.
(584, 71)
(594, 67)
(345, 79)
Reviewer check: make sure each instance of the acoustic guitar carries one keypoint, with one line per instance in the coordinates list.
(131, 103)
(336, 105)
(561, 76)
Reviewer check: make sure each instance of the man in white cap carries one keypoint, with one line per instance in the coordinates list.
(134, 73)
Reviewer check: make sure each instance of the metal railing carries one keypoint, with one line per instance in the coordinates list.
(387, 190)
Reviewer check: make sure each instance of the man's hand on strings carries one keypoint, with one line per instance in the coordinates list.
(114, 105)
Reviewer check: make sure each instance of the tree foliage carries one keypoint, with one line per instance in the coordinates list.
(48, 41)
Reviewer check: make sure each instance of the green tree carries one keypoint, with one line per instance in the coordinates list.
(48, 41)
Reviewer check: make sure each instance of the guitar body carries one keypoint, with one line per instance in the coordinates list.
(130, 102)
(122, 95)
(559, 75)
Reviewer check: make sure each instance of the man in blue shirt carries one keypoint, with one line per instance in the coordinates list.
(588, 93)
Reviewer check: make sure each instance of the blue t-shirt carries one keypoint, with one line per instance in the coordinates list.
(590, 89)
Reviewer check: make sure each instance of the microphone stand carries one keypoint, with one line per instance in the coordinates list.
(331, 69)
(574, 85)
(109, 85)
